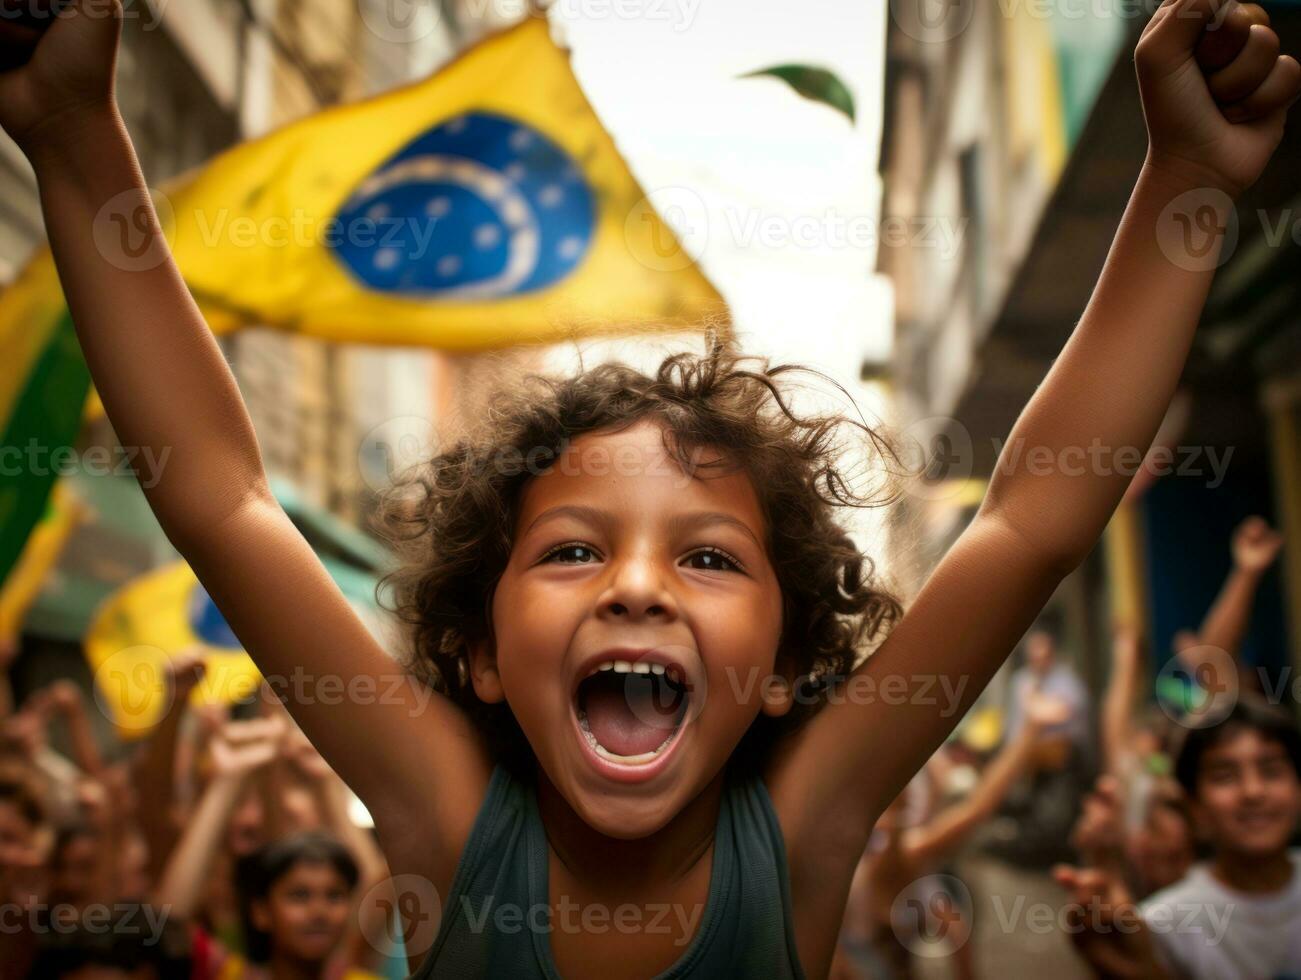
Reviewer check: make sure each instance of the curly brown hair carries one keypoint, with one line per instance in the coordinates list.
(453, 520)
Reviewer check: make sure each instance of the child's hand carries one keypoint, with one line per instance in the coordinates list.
(57, 61)
(1099, 831)
(94, 802)
(64, 697)
(1215, 91)
(1044, 711)
(1255, 545)
(1105, 925)
(186, 669)
(243, 746)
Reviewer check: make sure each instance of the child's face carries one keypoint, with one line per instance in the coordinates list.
(1248, 794)
(306, 911)
(669, 568)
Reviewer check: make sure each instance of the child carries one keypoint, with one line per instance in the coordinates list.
(1235, 915)
(296, 894)
(685, 569)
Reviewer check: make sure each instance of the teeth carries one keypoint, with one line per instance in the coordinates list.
(635, 667)
(626, 760)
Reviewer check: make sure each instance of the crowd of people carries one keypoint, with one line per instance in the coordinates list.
(1170, 833)
(222, 846)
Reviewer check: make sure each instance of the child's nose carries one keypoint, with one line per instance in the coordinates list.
(638, 587)
(1253, 784)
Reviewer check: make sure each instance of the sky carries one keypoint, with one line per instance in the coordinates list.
(777, 196)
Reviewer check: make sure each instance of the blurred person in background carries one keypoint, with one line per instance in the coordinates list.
(1235, 914)
(298, 896)
(1037, 813)
(877, 937)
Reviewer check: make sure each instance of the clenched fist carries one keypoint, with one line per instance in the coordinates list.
(57, 62)
(1215, 90)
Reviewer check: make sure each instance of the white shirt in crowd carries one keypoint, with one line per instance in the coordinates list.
(1204, 930)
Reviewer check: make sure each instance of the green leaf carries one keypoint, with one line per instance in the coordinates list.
(815, 84)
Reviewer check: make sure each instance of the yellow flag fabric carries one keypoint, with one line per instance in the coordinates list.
(38, 558)
(484, 206)
(137, 630)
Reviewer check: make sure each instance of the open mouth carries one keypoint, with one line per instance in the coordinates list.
(629, 713)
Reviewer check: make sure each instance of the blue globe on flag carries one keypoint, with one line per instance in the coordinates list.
(209, 625)
(478, 207)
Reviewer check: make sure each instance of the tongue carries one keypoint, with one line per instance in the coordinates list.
(622, 728)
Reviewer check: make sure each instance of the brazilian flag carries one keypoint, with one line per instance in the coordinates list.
(43, 386)
(482, 207)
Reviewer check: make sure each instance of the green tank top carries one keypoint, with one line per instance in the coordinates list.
(497, 921)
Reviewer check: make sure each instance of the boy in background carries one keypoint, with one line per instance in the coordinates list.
(1235, 914)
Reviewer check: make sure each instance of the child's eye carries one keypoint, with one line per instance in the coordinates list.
(585, 555)
(1274, 769)
(717, 560)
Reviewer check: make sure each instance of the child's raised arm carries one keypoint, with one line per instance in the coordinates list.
(412, 756)
(1255, 546)
(1212, 127)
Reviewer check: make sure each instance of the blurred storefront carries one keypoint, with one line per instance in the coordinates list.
(1020, 126)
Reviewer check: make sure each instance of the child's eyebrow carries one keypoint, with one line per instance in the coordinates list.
(592, 515)
(696, 518)
(677, 524)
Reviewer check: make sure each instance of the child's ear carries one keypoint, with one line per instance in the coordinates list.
(482, 656)
(260, 915)
(779, 687)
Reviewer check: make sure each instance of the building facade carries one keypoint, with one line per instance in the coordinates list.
(1021, 127)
